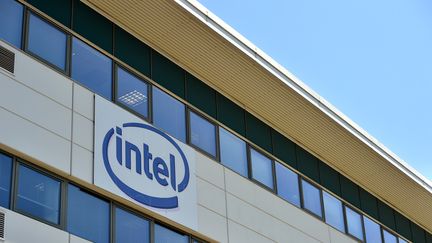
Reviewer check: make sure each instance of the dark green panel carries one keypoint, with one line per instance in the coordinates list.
(60, 10)
(258, 132)
(369, 203)
(307, 164)
(284, 149)
(386, 215)
(132, 51)
(329, 178)
(418, 234)
(428, 238)
(92, 26)
(168, 74)
(200, 95)
(230, 114)
(350, 191)
(403, 225)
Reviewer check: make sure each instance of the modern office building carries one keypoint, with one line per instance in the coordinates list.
(153, 121)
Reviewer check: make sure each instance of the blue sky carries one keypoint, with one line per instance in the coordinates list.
(371, 59)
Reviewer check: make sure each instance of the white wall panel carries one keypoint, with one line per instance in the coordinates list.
(212, 224)
(240, 234)
(76, 239)
(211, 197)
(82, 163)
(82, 131)
(210, 170)
(83, 101)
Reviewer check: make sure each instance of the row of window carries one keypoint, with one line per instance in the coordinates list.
(97, 72)
(54, 201)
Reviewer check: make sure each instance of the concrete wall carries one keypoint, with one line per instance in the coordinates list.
(48, 118)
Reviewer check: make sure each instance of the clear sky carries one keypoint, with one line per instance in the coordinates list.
(371, 59)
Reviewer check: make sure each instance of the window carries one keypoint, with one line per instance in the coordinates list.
(169, 114)
(131, 228)
(287, 184)
(5, 180)
(91, 68)
(165, 235)
(311, 198)
(354, 223)
(11, 17)
(233, 152)
(333, 212)
(132, 92)
(389, 237)
(402, 240)
(47, 42)
(88, 216)
(372, 230)
(38, 195)
(262, 170)
(202, 134)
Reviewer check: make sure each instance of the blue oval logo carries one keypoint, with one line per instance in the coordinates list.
(146, 164)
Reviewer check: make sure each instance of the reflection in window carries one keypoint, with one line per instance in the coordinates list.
(333, 211)
(372, 230)
(47, 42)
(287, 184)
(130, 228)
(165, 235)
(262, 170)
(11, 17)
(132, 92)
(169, 114)
(202, 134)
(5, 179)
(91, 68)
(389, 237)
(87, 216)
(38, 195)
(311, 198)
(354, 223)
(233, 152)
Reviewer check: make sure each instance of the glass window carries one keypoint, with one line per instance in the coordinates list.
(372, 230)
(11, 17)
(38, 195)
(262, 170)
(132, 92)
(5, 179)
(165, 235)
(202, 134)
(287, 184)
(389, 237)
(354, 223)
(91, 68)
(130, 228)
(47, 42)
(333, 211)
(87, 216)
(311, 198)
(169, 114)
(402, 240)
(233, 152)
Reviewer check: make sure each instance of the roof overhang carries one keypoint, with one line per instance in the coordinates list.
(204, 45)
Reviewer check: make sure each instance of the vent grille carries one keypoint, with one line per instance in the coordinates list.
(2, 225)
(7, 59)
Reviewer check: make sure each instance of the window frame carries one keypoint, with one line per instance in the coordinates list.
(114, 206)
(249, 148)
(361, 221)
(302, 203)
(298, 184)
(246, 144)
(190, 110)
(345, 226)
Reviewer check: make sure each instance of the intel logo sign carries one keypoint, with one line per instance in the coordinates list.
(146, 164)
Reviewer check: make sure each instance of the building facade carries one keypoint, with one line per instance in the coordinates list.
(153, 121)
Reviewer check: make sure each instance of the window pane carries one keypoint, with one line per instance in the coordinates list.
(311, 198)
(333, 211)
(132, 92)
(202, 134)
(130, 227)
(165, 235)
(11, 16)
(261, 168)
(402, 240)
(389, 237)
(287, 184)
(91, 68)
(38, 195)
(5, 179)
(354, 224)
(87, 216)
(372, 230)
(47, 42)
(233, 152)
(169, 114)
